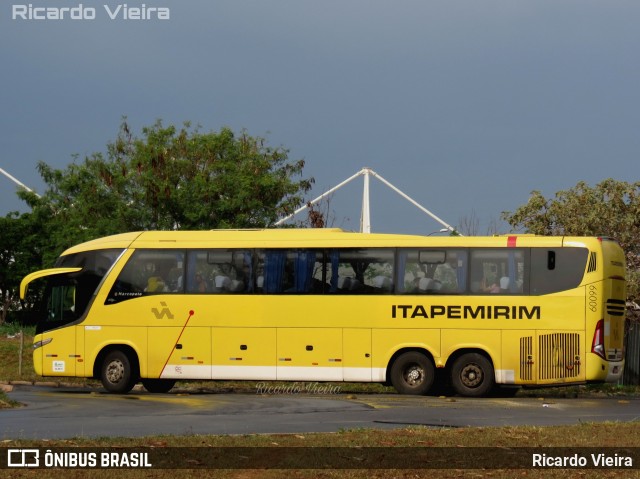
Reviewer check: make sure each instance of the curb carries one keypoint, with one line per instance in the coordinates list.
(49, 384)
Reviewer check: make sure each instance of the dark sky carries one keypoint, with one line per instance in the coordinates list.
(466, 106)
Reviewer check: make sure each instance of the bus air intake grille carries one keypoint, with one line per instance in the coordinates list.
(593, 263)
(526, 358)
(559, 356)
(616, 307)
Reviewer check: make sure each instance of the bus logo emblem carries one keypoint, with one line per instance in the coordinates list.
(23, 458)
(162, 312)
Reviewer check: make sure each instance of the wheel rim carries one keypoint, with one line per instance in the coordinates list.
(115, 372)
(471, 375)
(414, 375)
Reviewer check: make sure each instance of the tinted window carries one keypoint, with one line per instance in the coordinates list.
(149, 272)
(554, 270)
(220, 271)
(98, 261)
(500, 271)
(361, 271)
(441, 271)
(68, 296)
(291, 271)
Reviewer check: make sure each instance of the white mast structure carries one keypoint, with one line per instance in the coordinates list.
(18, 182)
(365, 216)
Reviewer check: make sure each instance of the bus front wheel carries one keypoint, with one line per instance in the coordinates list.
(117, 374)
(412, 373)
(158, 385)
(472, 375)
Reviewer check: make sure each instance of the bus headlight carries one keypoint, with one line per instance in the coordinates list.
(44, 342)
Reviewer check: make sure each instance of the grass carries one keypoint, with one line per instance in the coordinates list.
(618, 435)
(598, 435)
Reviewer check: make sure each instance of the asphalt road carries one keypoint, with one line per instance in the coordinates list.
(58, 413)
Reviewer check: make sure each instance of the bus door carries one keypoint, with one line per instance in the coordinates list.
(62, 354)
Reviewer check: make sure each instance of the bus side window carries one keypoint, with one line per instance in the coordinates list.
(361, 271)
(290, 272)
(148, 272)
(219, 271)
(437, 271)
(497, 271)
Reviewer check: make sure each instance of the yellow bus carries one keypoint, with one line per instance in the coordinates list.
(330, 305)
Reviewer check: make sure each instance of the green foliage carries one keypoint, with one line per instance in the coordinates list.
(169, 178)
(611, 208)
(21, 247)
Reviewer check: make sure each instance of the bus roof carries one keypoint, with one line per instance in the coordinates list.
(315, 238)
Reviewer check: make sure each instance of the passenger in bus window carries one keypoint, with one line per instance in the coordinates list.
(174, 280)
(155, 284)
(491, 287)
(201, 283)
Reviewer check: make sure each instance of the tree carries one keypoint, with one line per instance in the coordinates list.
(611, 208)
(20, 253)
(469, 225)
(169, 178)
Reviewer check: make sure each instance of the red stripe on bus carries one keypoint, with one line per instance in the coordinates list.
(191, 313)
(511, 241)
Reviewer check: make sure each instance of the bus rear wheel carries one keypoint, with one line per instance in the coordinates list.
(412, 373)
(472, 375)
(117, 373)
(158, 385)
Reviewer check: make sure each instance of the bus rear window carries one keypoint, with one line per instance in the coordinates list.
(559, 269)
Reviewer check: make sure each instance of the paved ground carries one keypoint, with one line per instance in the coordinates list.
(52, 413)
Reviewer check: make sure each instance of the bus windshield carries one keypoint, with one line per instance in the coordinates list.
(67, 296)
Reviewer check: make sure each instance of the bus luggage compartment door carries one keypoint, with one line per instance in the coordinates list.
(309, 354)
(179, 353)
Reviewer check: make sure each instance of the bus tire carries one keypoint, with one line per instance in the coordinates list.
(158, 385)
(117, 373)
(472, 375)
(412, 373)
